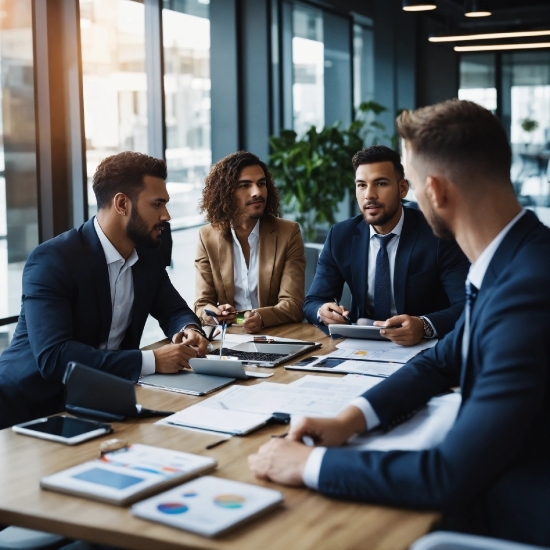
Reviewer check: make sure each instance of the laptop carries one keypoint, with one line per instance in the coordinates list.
(190, 383)
(267, 354)
(222, 367)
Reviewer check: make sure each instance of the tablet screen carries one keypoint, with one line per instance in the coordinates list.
(63, 426)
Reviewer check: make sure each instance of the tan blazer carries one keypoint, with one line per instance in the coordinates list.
(281, 265)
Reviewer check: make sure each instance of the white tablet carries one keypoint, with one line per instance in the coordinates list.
(63, 429)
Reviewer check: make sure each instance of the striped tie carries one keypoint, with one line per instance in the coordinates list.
(471, 295)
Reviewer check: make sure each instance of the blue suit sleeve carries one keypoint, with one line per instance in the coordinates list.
(48, 298)
(504, 413)
(327, 284)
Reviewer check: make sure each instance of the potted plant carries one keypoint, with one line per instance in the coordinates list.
(313, 172)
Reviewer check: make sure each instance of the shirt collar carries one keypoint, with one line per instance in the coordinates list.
(479, 268)
(396, 230)
(255, 232)
(112, 255)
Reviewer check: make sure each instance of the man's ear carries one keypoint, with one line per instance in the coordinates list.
(436, 191)
(121, 204)
(403, 188)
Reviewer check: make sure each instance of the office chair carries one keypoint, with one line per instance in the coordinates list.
(445, 540)
(18, 538)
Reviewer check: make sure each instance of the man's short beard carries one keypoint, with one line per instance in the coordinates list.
(439, 227)
(138, 231)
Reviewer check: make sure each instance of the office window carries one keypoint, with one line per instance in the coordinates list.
(18, 175)
(186, 36)
(114, 81)
(477, 80)
(308, 91)
(363, 64)
(526, 109)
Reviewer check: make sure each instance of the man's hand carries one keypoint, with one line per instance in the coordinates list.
(410, 332)
(329, 432)
(252, 322)
(224, 312)
(173, 357)
(329, 317)
(281, 461)
(192, 338)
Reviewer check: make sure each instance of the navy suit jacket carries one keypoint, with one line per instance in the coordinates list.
(495, 459)
(429, 273)
(66, 314)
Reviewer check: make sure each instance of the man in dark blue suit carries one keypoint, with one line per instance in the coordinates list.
(88, 292)
(491, 472)
(398, 272)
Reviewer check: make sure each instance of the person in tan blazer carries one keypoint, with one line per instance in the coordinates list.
(247, 257)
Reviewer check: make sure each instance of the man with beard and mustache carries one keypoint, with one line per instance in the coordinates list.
(87, 294)
(398, 272)
(248, 259)
(490, 473)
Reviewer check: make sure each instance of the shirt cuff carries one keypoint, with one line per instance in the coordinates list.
(319, 316)
(312, 468)
(371, 418)
(147, 362)
(433, 328)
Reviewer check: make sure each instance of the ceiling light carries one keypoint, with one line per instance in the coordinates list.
(475, 8)
(488, 36)
(502, 47)
(417, 5)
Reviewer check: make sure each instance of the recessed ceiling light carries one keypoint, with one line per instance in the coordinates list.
(488, 36)
(536, 45)
(475, 8)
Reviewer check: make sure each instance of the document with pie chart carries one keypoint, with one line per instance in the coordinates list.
(208, 505)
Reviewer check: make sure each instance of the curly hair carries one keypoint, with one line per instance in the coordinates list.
(123, 173)
(218, 196)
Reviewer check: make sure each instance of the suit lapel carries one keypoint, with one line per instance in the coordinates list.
(266, 258)
(97, 263)
(359, 263)
(405, 247)
(225, 255)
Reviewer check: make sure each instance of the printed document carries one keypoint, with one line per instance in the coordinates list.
(375, 350)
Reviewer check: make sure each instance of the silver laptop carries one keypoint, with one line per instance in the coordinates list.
(221, 367)
(267, 354)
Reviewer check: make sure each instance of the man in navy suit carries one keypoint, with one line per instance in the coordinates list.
(88, 292)
(398, 272)
(491, 472)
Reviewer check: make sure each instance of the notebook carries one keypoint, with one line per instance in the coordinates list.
(208, 506)
(126, 475)
(186, 382)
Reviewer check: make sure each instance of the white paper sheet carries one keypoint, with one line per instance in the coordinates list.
(426, 429)
(375, 350)
(351, 386)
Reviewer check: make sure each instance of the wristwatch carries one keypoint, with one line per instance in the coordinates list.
(428, 329)
(196, 328)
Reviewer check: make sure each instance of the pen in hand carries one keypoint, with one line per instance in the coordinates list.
(345, 317)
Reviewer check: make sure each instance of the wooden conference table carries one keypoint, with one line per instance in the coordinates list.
(306, 520)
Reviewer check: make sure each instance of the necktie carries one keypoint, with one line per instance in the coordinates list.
(382, 280)
(471, 295)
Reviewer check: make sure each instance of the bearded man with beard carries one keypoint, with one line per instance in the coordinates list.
(400, 275)
(248, 258)
(87, 294)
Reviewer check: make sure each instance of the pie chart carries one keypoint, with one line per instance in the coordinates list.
(172, 508)
(229, 501)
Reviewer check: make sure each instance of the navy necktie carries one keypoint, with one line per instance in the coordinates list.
(471, 295)
(382, 280)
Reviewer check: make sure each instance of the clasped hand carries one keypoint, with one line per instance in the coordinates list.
(174, 357)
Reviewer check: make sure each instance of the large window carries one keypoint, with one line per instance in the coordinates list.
(114, 80)
(477, 80)
(18, 177)
(363, 64)
(186, 35)
(308, 91)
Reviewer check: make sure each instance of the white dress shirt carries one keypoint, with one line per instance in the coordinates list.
(122, 298)
(246, 278)
(476, 275)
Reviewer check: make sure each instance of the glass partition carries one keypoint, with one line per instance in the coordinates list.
(477, 80)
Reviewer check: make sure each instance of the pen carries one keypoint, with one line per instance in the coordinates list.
(280, 436)
(284, 342)
(216, 443)
(346, 317)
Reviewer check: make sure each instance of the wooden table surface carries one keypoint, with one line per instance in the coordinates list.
(307, 520)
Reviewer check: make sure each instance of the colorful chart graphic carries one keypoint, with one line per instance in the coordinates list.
(172, 508)
(229, 501)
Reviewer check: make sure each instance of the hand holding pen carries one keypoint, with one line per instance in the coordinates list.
(221, 312)
(334, 313)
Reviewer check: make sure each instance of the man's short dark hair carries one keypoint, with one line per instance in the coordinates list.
(461, 137)
(218, 195)
(379, 153)
(123, 173)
